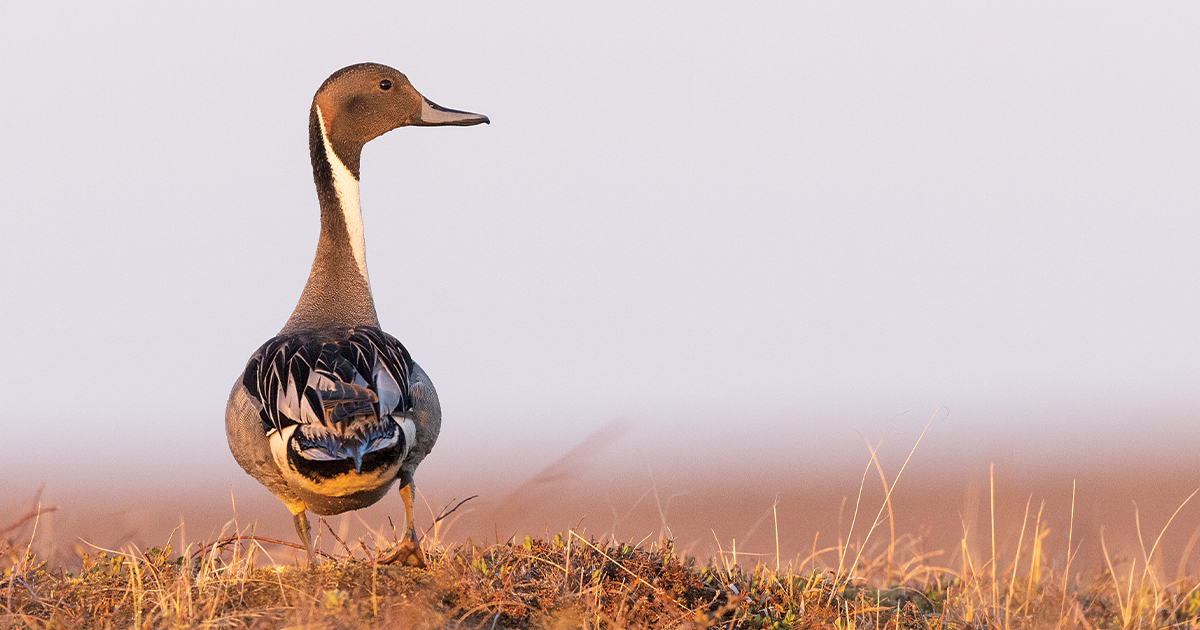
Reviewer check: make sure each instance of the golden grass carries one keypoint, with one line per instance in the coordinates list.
(573, 580)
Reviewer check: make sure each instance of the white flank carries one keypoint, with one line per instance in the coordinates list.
(347, 191)
(279, 441)
(410, 433)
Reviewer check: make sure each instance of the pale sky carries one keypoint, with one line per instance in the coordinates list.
(724, 221)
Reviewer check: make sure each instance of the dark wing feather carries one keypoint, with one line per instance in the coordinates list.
(390, 359)
(296, 378)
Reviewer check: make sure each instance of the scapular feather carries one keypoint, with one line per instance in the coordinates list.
(328, 376)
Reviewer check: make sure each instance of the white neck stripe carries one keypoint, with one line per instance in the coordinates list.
(346, 186)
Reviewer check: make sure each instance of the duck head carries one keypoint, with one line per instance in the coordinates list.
(361, 102)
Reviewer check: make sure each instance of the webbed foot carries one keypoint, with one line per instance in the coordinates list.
(408, 553)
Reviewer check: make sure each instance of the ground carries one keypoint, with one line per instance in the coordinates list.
(572, 580)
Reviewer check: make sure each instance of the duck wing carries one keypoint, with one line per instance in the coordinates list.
(326, 378)
(426, 414)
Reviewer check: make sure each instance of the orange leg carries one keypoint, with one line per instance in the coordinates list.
(408, 552)
(302, 529)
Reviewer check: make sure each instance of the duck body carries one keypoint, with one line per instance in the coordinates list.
(343, 411)
(330, 413)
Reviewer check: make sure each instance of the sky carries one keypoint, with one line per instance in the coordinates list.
(752, 226)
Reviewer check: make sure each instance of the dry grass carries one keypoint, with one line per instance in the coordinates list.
(572, 580)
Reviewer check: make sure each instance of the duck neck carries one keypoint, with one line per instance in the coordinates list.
(338, 291)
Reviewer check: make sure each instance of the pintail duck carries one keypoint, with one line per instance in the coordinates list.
(332, 411)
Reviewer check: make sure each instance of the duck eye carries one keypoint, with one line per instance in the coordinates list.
(385, 85)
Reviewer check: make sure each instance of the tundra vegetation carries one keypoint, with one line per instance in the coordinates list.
(871, 578)
(578, 581)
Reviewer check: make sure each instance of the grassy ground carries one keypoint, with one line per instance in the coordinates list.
(573, 581)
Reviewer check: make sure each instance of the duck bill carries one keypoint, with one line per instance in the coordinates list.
(434, 115)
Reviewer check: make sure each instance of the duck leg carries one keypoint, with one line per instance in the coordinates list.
(302, 528)
(407, 488)
(408, 552)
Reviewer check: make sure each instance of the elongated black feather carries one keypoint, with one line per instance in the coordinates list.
(343, 355)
